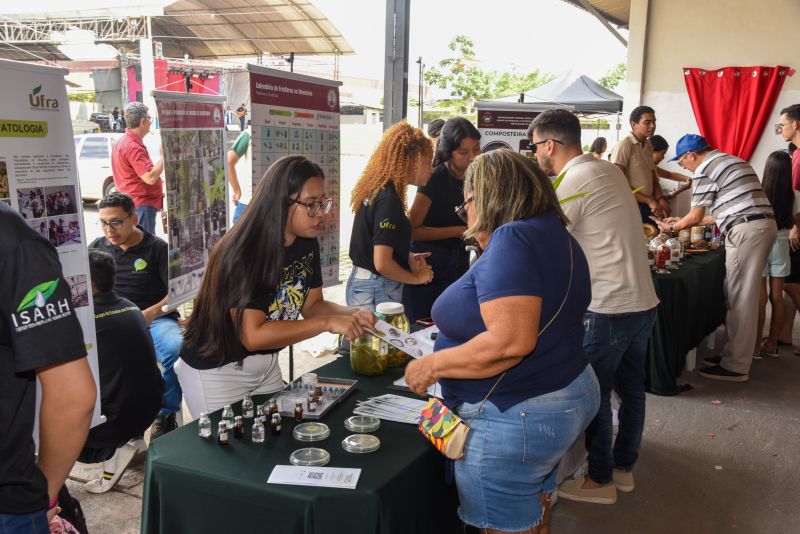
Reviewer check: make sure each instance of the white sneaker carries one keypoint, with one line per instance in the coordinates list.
(114, 468)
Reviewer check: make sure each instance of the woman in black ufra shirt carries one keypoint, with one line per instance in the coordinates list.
(261, 276)
(435, 227)
(379, 244)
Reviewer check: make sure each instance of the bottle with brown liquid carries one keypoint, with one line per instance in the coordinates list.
(238, 427)
(298, 412)
(276, 424)
(273, 407)
(311, 402)
(222, 433)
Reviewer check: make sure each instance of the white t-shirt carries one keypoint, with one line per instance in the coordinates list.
(608, 226)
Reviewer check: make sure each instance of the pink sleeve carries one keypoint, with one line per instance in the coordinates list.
(796, 170)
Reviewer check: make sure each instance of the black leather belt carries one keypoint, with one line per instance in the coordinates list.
(746, 219)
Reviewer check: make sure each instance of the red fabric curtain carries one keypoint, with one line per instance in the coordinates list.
(732, 104)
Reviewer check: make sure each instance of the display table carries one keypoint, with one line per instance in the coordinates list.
(195, 485)
(692, 307)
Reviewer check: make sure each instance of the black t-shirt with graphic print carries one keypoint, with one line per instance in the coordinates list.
(382, 222)
(300, 273)
(38, 328)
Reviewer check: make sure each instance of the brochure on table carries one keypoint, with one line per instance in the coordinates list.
(39, 179)
(329, 477)
(193, 148)
(299, 114)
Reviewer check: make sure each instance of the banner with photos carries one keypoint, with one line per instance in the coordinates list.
(192, 129)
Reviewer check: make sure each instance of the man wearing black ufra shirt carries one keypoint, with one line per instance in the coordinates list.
(142, 278)
(40, 337)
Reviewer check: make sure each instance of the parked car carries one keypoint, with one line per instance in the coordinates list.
(104, 120)
(94, 163)
(93, 152)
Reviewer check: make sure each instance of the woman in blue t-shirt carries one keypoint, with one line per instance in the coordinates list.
(262, 275)
(510, 356)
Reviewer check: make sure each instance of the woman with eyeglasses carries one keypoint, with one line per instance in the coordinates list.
(262, 274)
(381, 238)
(435, 227)
(509, 355)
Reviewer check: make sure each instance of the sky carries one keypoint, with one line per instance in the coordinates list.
(546, 34)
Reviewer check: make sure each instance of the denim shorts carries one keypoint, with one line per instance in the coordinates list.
(511, 457)
(367, 289)
(778, 264)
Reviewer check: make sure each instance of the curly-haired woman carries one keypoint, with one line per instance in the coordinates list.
(379, 244)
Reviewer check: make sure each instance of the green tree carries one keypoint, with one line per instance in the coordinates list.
(468, 83)
(612, 78)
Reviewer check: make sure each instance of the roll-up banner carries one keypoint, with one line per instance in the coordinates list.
(39, 179)
(299, 114)
(193, 149)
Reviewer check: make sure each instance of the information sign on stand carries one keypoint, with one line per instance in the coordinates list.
(299, 114)
(504, 127)
(39, 179)
(192, 128)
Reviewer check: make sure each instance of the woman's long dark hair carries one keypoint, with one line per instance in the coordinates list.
(777, 184)
(245, 264)
(454, 131)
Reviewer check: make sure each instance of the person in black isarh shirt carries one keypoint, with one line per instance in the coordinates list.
(379, 244)
(130, 382)
(40, 337)
(262, 275)
(435, 227)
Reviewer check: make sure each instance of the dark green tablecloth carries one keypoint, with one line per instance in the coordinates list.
(692, 306)
(194, 485)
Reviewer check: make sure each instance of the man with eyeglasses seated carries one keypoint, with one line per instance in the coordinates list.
(134, 171)
(142, 277)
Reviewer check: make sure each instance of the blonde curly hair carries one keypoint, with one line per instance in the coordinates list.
(397, 157)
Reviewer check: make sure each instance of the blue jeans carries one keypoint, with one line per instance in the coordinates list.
(35, 523)
(512, 457)
(238, 211)
(147, 218)
(370, 292)
(617, 346)
(167, 338)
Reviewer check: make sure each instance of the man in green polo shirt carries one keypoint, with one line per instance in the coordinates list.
(239, 162)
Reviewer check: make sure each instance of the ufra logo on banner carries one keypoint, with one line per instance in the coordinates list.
(40, 101)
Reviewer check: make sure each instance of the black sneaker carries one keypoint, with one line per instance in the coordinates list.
(712, 360)
(162, 425)
(715, 372)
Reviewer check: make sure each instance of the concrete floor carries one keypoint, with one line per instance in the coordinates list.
(719, 458)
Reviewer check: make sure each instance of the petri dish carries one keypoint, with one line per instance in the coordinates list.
(361, 443)
(312, 431)
(311, 456)
(362, 423)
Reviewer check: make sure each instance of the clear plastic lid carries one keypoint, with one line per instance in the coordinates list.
(312, 431)
(311, 456)
(390, 308)
(362, 423)
(361, 443)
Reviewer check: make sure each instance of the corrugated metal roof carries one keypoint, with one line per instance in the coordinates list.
(206, 29)
(617, 12)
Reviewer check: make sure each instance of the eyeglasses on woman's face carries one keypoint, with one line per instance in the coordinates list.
(461, 209)
(317, 207)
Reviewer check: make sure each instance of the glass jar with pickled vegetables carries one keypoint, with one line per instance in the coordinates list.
(394, 314)
(369, 355)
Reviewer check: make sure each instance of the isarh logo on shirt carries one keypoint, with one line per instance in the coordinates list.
(386, 225)
(35, 308)
(139, 265)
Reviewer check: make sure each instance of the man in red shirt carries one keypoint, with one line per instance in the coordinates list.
(133, 170)
(789, 127)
